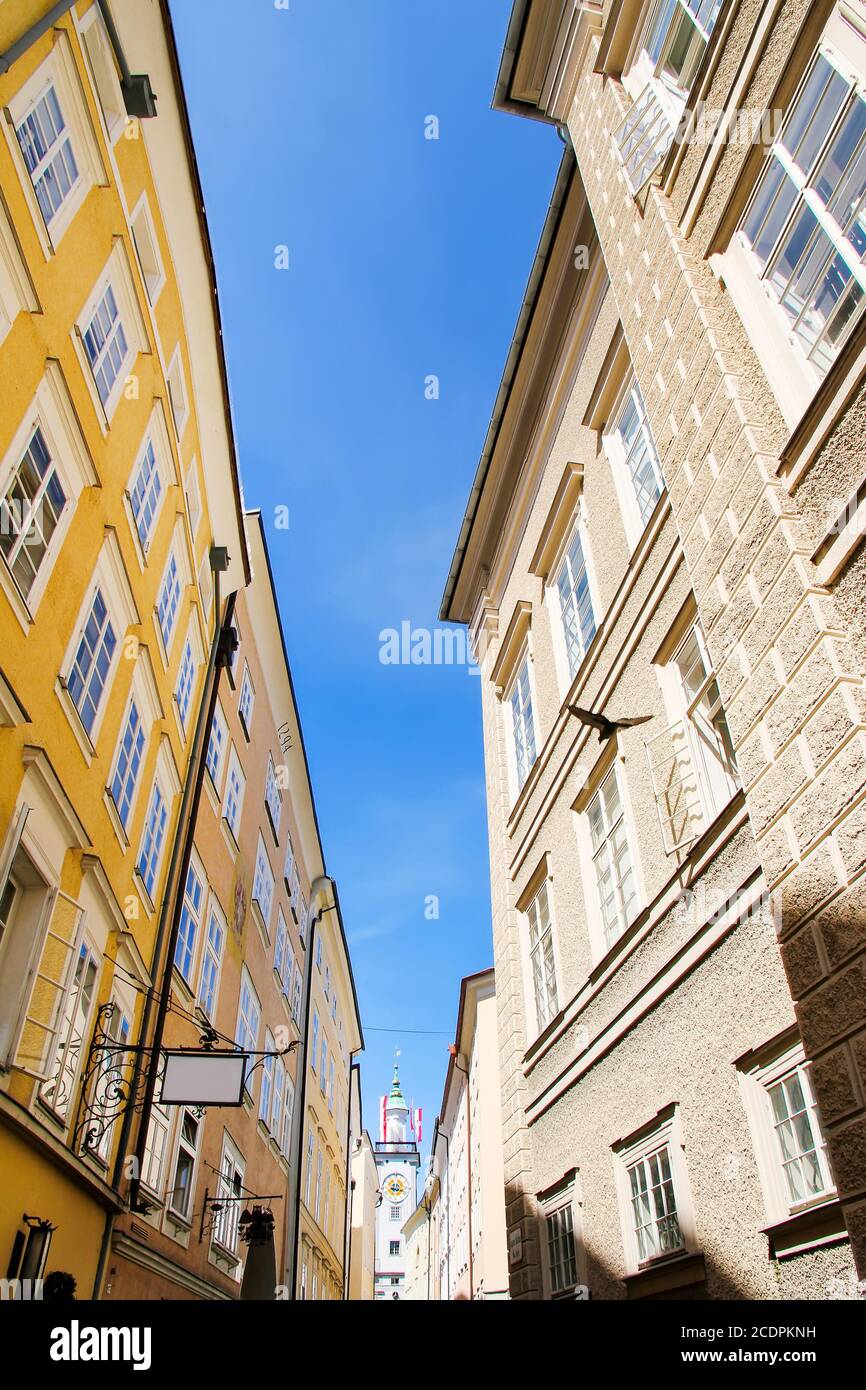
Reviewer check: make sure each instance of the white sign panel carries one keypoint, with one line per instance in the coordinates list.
(204, 1078)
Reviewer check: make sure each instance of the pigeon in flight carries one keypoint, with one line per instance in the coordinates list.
(606, 727)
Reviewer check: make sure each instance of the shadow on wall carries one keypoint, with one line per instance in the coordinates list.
(602, 1280)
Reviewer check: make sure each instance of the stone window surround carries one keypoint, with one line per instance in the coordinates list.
(665, 1127)
(541, 875)
(610, 760)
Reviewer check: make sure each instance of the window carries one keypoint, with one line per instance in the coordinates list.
(319, 955)
(113, 1075)
(575, 603)
(394, 1247)
(614, 872)
(49, 154)
(127, 764)
(273, 796)
(177, 393)
(245, 700)
(654, 1205)
(156, 1146)
(801, 1148)
(323, 1069)
(193, 499)
(289, 866)
(145, 494)
(249, 1015)
(210, 970)
(804, 226)
(93, 660)
(661, 76)
(267, 1081)
(58, 1089)
(692, 762)
(632, 452)
(288, 1112)
(152, 841)
(314, 1049)
(190, 922)
(147, 250)
(654, 1196)
(229, 1193)
(309, 1181)
(561, 1250)
(180, 1196)
(31, 506)
(789, 1142)
(297, 988)
(395, 1212)
(263, 885)
(304, 909)
(522, 724)
(185, 682)
(106, 344)
(318, 1205)
(281, 945)
(234, 795)
(168, 601)
(542, 964)
(331, 1085)
(216, 747)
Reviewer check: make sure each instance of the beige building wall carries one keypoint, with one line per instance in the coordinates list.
(418, 1254)
(467, 1155)
(365, 1199)
(674, 1034)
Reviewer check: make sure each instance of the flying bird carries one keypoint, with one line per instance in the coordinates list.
(606, 727)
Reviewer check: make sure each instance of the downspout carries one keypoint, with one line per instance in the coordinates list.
(219, 562)
(33, 34)
(169, 924)
(436, 1134)
(468, 1168)
(301, 1068)
(349, 1183)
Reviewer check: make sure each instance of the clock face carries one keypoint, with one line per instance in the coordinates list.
(395, 1187)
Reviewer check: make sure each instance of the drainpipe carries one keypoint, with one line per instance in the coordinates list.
(437, 1132)
(218, 562)
(350, 1186)
(223, 644)
(34, 33)
(453, 1050)
(297, 1136)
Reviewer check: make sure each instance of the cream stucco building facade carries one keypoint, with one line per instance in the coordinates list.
(465, 1188)
(660, 532)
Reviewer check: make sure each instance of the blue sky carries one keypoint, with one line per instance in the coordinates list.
(408, 257)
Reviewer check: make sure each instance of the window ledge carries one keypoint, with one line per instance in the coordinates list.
(229, 836)
(820, 1225)
(678, 1272)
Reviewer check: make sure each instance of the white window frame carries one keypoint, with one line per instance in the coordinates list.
(59, 70)
(665, 1132)
(147, 251)
(634, 522)
(193, 500)
(178, 395)
(188, 671)
(523, 663)
(181, 1143)
(117, 275)
(230, 1184)
(230, 795)
(578, 527)
(51, 411)
(246, 701)
(793, 377)
(262, 897)
(766, 1068)
(246, 1037)
(538, 887)
(273, 797)
(17, 294)
(156, 438)
(691, 785)
(145, 695)
(110, 578)
(562, 1206)
(607, 767)
(177, 553)
(194, 914)
(211, 961)
(219, 738)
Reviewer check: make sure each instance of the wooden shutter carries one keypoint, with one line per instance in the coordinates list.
(51, 981)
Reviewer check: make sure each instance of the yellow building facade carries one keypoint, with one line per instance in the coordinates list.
(117, 476)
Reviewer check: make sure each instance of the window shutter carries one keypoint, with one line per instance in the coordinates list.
(13, 840)
(675, 786)
(643, 139)
(38, 1031)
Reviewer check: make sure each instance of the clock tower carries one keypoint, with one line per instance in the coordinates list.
(397, 1160)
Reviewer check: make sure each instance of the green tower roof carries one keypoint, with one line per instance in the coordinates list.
(395, 1096)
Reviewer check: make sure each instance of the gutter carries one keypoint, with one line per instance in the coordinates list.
(567, 166)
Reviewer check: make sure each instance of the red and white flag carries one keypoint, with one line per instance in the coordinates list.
(417, 1118)
(383, 1101)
